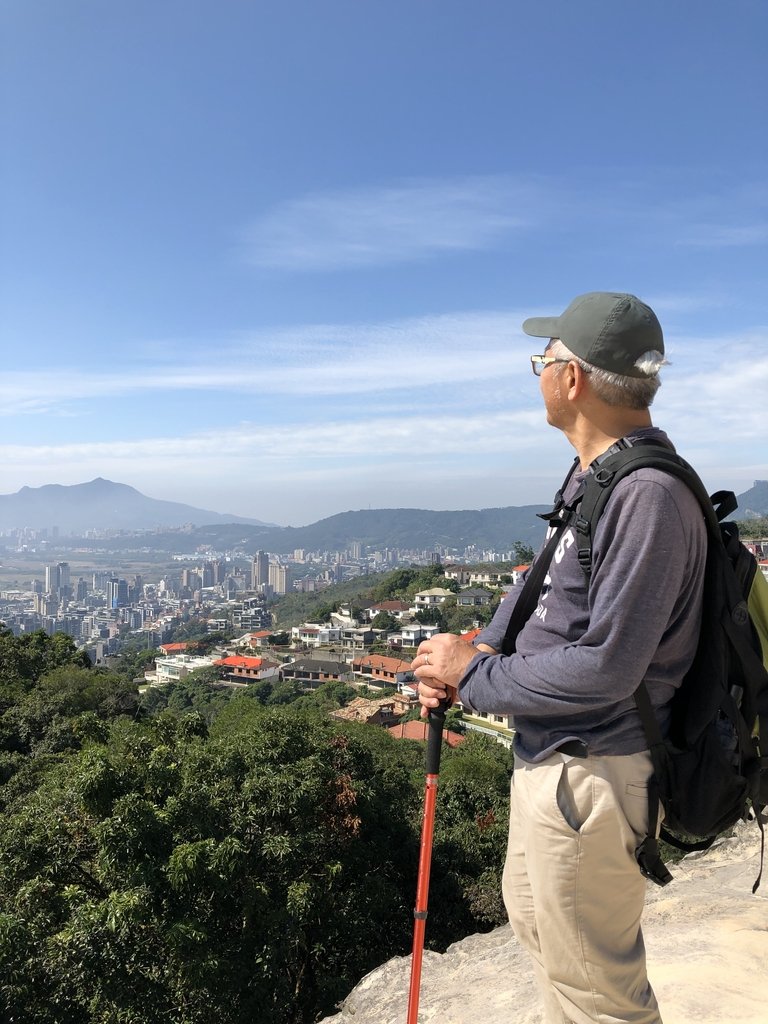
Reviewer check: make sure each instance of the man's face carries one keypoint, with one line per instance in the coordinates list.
(555, 404)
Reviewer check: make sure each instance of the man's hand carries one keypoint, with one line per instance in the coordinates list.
(439, 665)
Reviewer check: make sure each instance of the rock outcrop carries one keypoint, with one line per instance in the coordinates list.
(707, 940)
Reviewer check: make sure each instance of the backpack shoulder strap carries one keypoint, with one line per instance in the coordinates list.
(615, 465)
(529, 597)
(534, 581)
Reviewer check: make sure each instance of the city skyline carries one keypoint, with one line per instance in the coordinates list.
(273, 261)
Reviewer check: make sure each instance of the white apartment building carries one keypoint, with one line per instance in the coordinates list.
(171, 670)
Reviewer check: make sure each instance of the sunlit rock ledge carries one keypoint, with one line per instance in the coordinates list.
(707, 940)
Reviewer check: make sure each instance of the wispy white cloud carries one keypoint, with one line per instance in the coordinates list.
(436, 411)
(392, 224)
(421, 218)
(500, 452)
(392, 437)
(330, 360)
(718, 395)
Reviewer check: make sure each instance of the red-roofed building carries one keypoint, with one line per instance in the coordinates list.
(170, 649)
(237, 669)
(470, 636)
(254, 640)
(381, 669)
(416, 729)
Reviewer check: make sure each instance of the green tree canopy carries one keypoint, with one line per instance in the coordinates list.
(24, 659)
(169, 877)
(385, 621)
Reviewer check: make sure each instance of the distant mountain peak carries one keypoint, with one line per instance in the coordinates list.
(101, 504)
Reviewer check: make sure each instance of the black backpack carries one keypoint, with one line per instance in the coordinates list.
(709, 772)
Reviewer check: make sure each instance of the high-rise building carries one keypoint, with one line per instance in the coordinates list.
(117, 593)
(191, 579)
(63, 571)
(278, 578)
(260, 570)
(51, 579)
(57, 579)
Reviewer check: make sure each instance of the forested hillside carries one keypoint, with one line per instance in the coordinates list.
(400, 584)
(208, 857)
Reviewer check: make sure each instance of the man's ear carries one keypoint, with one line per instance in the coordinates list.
(574, 380)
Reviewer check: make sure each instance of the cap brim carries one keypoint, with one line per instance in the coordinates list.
(542, 326)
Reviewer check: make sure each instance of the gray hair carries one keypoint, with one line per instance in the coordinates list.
(617, 388)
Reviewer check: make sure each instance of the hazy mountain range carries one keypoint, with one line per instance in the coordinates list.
(102, 505)
(99, 505)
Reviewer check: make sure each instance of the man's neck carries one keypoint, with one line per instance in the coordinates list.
(591, 438)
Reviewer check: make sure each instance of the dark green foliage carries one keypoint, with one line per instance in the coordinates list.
(454, 721)
(253, 876)
(434, 616)
(202, 855)
(459, 620)
(134, 659)
(386, 622)
(281, 639)
(293, 609)
(523, 552)
(51, 705)
(24, 659)
(471, 832)
(193, 693)
(754, 528)
(333, 694)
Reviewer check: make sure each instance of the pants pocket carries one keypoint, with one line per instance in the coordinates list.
(574, 797)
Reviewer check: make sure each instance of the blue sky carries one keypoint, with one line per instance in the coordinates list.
(272, 258)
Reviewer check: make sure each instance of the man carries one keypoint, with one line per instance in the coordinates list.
(579, 807)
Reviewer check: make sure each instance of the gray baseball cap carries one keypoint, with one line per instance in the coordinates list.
(611, 330)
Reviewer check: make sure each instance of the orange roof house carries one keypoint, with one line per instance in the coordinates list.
(417, 730)
(238, 669)
(237, 661)
(173, 648)
(378, 666)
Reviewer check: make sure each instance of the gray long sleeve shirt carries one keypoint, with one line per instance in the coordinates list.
(584, 651)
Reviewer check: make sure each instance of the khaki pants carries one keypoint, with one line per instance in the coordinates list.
(572, 887)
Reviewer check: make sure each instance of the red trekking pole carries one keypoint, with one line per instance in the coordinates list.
(435, 722)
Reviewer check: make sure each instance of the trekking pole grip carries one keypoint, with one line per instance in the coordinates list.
(435, 726)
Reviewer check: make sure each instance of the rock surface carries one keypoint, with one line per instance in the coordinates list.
(707, 941)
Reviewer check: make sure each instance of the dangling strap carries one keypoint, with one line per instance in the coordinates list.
(647, 853)
(534, 581)
(761, 826)
(559, 503)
